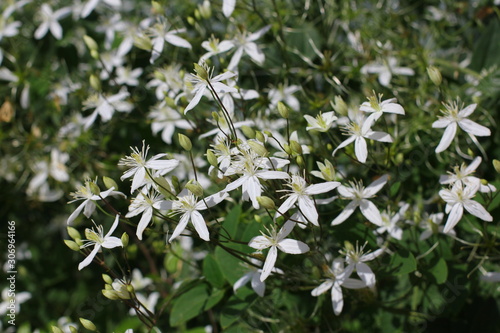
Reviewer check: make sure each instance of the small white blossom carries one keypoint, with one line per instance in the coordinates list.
(145, 204)
(50, 21)
(385, 70)
(464, 174)
(322, 123)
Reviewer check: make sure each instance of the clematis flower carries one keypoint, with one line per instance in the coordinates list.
(50, 21)
(105, 106)
(275, 241)
(90, 5)
(432, 225)
(459, 197)
(284, 94)
(464, 174)
(139, 166)
(160, 33)
(145, 204)
(359, 196)
(245, 43)
(189, 206)
(301, 193)
(376, 107)
(254, 277)
(356, 258)
(453, 117)
(386, 69)
(338, 277)
(214, 47)
(358, 131)
(99, 240)
(322, 123)
(165, 120)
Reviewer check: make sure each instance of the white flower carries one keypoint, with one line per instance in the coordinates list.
(385, 70)
(284, 94)
(244, 43)
(252, 168)
(389, 223)
(88, 196)
(322, 123)
(9, 300)
(200, 84)
(189, 206)
(213, 46)
(165, 119)
(301, 193)
(453, 117)
(358, 131)
(128, 76)
(377, 107)
(432, 225)
(56, 169)
(92, 4)
(228, 7)
(139, 166)
(254, 277)
(464, 174)
(359, 195)
(356, 258)
(277, 241)
(144, 204)
(105, 106)
(50, 21)
(338, 277)
(148, 303)
(138, 281)
(160, 34)
(457, 198)
(98, 240)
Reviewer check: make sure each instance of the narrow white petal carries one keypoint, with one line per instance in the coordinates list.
(353, 284)
(455, 215)
(112, 242)
(143, 223)
(371, 212)
(180, 227)
(90, 257)
(477, 210)
(337, 299)
(441, 123)
(321, 188)
(259, 243)
(348, 210)
(308, 209)
(375, 186)
(366, 274)
(360, 149)
(322, 288)
(77, 211)
(467, 111)
(177, 41)
(269, 263)
(293, 246)
(257, 285)
(286, 205)
(448, 135)
(474, 128)
(228, 7)
(200, 225)
(242, 281)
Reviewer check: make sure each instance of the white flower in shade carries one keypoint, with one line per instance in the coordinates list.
(223, 151)
(99, 240)
(358, 131)
(359, 196)
(160, 34)
(50, 21)
(356, 258)
(105, 106)
(138, 281)
(386, 69)
(189, 206)
(274, 241)
(200, 83)
(228, 7)
(389, 223)
(146, 303)
(432, 225)
(338, 277)
(322, 123)
(254, 277)
(459, 197)
(452, 118)
(491, 277)
(464, 174)
(128, 76)
(90, 5)
(300, 192)
(139, 166)
(165, 120)
(245, 43)
(9, 300)
(214, 47)
(284, 94)
(56, 169)
(145, 204)
(252, 167)
(86, 193)
(377, 107)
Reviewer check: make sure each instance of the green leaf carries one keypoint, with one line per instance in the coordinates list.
(216, 296)
(189, 305)
(439, 271)
(230, 266)
(212, 272)
(403, 262)
(230, 224)
(234, 308)
(395, 188)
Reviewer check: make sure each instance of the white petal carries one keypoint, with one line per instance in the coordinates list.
(77, 211)
(177, 41)
(467, 111)
(322, 288)
(200, 225)
(286, 205)
(242, 281)
(112, 242)
(180, 227)
(455, 215)
(293, 246)
(259, 243)
(353, 284)
(337, 299)
(448, 135)
(360, 149)
(257, 285)
(441, 123)
(269, 263)
(321, 188)
(366, 274)
(143, 223)
(474, 128)
(228, 7)
(379, 136)
(371, 212)
(375, 186)
(348, 210)
(308, 209)
(476, 209)
(90, 257)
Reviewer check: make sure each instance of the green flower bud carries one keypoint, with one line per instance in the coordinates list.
(269, 134)
(143, 42)
(94, 188)
(163, 186)
(72, 245)
(266, 202)
(94, 54)
(195, 188)
(125, 239)
(340, 106)
(205, 9)
(185, 142)
(56, 329)
(95, 83)
(73, 233)
(109, 183)
(108, 287)
(215, 115)
(248, 131)
(156, 8)
(211, 158)
(283, 110)
(300, 161)
(259, 136)
(130, 289)
(257, 218)
(79, 242)
(296, 147)
(191, 20)
(258, 148)
(110, 294)
(90, 42)
(287, 149)
(73, 329)
(107, 278)
(434, 75)
(88, 324)
(201, 72)
(348, 246)
(496, 165)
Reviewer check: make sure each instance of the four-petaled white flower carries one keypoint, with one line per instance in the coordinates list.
(99, 240)
(459, 197)
(356, 258)
(139, 166)
(359, 195)
(301, 193)
(377, 107)
(338, 277)
(454, 117)
(189, 206)
(105, 106)
(254, 277)
(358, 131)
(432, 225)
(160, 34)
(386, 69)
(245, 43)
(322, 123)
(50, 21)
(144, 204)
(464, 174)
(275, 241)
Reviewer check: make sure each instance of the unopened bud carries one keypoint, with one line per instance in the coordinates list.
(340, 106)
(109, 183)
(215, 115)
(90, 42)
(296, 147)
(94, 54)
(300, 161)
(143, 42)
(496, 165)
(248, 131)
(88, 324)
(94, 188)
(73, 329)
(130, 288)
(283, 110)
(111, 294)
(95, 83)
(191, 20)
(434, 75)
(125, 239)
(185, 142)
(201, 72)
(258, 148)
(211, 158)
(195, 188)
(259, 136)
(266, 202)
(257, 218)
(163, 186)
(73, 233)
(56, 329)
(107, 278)
(72, 245)
(348, 246)
(205, 9)
(287, 149)
(156, 8)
